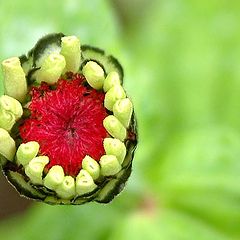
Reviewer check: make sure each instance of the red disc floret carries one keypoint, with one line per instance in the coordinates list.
(67, 121)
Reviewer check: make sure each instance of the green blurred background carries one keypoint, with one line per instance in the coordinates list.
(181, 60)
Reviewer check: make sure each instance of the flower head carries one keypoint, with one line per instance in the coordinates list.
(67, 127)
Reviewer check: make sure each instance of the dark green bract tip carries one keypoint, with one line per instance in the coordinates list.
(68, 131)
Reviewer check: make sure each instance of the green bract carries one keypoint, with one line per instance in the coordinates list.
(54, 57)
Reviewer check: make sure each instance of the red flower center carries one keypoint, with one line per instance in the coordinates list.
(67, 121)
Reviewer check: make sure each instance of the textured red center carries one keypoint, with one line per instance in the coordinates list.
(67, 121)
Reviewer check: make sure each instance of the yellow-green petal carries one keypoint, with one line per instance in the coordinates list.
(109, 165)
(26, 152)
(122, 110)
(115, 127)
(84, 183)
(67, 189)
(7, 145)
(94, 74)
(52, 68)
(14, 80)
(112, 95)
(91, 166)
(111, 80)
(7, 120)
(70, 49)
(54, 177)
(113, 146)
(11, 105)
(34, 170)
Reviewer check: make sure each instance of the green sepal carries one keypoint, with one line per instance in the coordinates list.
(114, 186)
(46, 45)
(3, 161)
(26, 63)
(23, 185)
(108, 62)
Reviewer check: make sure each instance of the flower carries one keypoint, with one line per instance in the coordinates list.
(67, 127)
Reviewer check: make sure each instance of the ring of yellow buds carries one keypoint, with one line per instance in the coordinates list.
(26, 165)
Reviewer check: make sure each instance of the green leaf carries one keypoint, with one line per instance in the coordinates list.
(164, 225)
(186, 94)
(43, 222)
(199, 175)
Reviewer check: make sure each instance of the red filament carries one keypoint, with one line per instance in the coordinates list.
(67, 121)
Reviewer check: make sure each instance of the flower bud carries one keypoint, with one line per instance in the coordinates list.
(75, 129)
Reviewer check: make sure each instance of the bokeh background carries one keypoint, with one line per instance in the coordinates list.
(182, 69)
